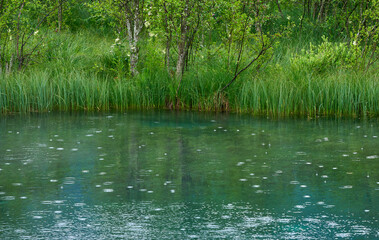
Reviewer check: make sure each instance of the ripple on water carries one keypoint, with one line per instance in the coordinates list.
(343, 235)
(300, 206)
(8, 198)
(20, 231)
(213, 226)
(329, 206)
(301, 153)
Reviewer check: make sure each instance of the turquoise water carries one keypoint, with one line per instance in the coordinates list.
(167, 175)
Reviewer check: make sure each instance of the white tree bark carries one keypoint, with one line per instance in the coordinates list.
(134, 25)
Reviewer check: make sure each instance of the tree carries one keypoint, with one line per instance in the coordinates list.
(253, 40)
(182, 21)
(19, 32)
(134, 21)
(129, 19)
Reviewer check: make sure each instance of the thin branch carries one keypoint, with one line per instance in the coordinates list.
(261, 53)
(42, 20)
(241, 46)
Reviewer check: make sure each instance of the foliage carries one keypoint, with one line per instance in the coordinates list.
(20, 36)
(116, 62)
(275, 57)
(323, 57)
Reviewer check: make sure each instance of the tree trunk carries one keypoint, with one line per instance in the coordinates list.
(280, 10)
(309, 8)
(315, 8)
(302, 17)
(60, 13)
(182, 44)
(188, 32)
(134, 25)
(168, 38)
(321, 12)
(181, 58)
(19, 50)
(167, 57)
(134, 50)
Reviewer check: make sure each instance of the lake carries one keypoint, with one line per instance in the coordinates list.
(171, 175)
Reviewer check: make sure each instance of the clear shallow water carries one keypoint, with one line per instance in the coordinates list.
(164, 175)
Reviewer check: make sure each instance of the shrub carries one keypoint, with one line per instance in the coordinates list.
(324, 57)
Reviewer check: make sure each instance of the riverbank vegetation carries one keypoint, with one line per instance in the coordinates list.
(304, 57)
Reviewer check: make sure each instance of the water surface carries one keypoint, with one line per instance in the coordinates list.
(167, 175)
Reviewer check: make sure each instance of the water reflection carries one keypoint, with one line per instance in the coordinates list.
(160, 175)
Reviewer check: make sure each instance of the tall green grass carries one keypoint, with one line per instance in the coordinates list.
(338, 94)
(76, 78)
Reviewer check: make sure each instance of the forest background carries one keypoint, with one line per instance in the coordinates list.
(274, 57)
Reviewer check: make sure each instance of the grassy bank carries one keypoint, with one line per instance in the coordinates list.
(83, 73)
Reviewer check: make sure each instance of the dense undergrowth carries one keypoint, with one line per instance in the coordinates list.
(305, 75)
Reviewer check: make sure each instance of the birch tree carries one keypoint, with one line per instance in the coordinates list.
(129, 19)
(134, 22)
